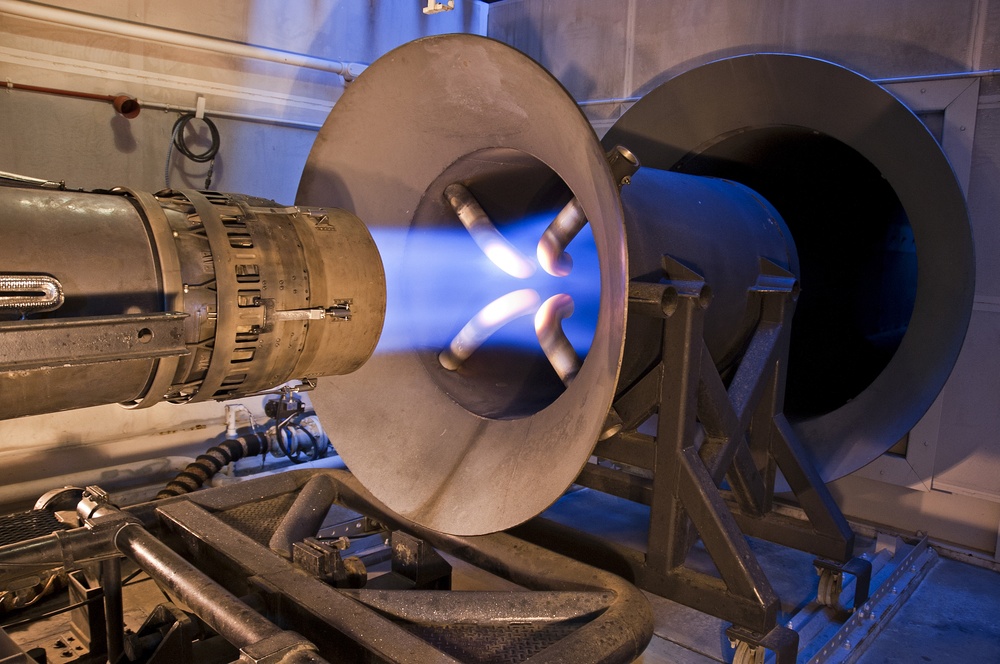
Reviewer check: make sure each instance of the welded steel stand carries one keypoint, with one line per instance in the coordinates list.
(245, 560)
(713, 464)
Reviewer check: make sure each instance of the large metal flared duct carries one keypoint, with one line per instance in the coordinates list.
(492, 443)
(878, 218)
(431, 113)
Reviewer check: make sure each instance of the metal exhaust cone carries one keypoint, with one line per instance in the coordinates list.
(493, 443)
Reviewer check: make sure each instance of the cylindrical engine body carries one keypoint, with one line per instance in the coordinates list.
(98, 249)
(259, 294)
(718, 228)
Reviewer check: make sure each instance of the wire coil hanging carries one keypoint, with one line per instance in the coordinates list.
(177, 141)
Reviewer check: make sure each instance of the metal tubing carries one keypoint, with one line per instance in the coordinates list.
(487, 321)
(503, 254)
(229, 115)
(387, 640)
(124, 105)
(303, 519)
(496, 608)
(551, 249)
(221, 610)
(552, 338)
(30, 293)
(24, 180)
(88, 21)
(114, 618)
(66, 548)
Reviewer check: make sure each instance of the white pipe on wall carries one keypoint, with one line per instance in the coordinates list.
(78, 19)
(230, 115)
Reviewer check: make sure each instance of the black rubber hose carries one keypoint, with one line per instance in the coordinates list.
(197, 473)
(177, 134)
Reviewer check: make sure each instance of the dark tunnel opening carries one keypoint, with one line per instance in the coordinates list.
(856, 250)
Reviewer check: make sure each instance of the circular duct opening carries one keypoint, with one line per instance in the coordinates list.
(857, 255)
(765, 95)
(476, 296)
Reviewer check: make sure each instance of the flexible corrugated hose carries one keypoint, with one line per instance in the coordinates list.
(205, 466)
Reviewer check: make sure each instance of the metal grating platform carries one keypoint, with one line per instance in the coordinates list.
(26, 525)
(503, 644)
(258, 520)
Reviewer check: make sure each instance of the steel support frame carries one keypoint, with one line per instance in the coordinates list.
(714, 459)
(620, 628)
(250, 594)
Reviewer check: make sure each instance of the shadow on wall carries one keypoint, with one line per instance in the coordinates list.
(122, 130)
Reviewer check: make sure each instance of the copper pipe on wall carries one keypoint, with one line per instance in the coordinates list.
(125, 106)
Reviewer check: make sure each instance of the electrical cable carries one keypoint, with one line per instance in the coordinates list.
(314, 455)
(54, 612)
(279, 426)
(177, 141)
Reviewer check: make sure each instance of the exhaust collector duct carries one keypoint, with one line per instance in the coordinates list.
(878, 217)
(493, 443)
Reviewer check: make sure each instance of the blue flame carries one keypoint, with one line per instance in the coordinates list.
(437, 279)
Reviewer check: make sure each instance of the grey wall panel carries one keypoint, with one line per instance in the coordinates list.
(879, 39)
(85, 143)
(984, 197)
(583, 44)
(676, 36)
(962, 520)
(968, 456)
(89, 146)
(337, 29)
(590, 39)
(989, 48)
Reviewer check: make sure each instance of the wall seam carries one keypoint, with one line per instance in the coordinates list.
(978, 34)
(628, 83)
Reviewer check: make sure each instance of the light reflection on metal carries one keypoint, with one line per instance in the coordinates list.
(481, 327)
(503, 254)
(552, 339)
(551, 250)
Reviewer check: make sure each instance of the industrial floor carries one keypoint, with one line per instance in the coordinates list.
(924, 608)
(947, 612)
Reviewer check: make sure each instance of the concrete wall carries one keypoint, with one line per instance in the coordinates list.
(948, 480)
(86, 144)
